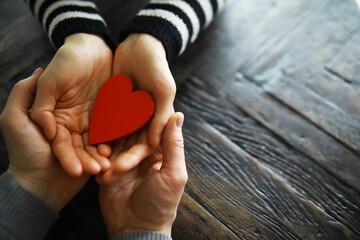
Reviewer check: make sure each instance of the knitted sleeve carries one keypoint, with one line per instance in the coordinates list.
(143, 236)
(61, 18)
(22, 215)
(177, 23)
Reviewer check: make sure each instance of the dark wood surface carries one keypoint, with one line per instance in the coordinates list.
(271, 96)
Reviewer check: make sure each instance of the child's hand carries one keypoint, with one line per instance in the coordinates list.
(64, 100)
(142, 57)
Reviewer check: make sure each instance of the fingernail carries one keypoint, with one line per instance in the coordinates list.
(35, 72)
(180, 120)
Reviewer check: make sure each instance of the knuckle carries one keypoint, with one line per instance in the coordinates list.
(167, 87)
(180, 179)
(178, 143)
(18, 85)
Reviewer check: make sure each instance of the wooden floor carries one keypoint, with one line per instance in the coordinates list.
(271, 96)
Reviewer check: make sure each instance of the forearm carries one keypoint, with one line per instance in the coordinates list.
(62, 18)
(22, 215)
(177, 23)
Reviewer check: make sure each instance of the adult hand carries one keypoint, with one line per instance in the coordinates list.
(31, 160)
(146, 198)
(142, 57)
(64, 100)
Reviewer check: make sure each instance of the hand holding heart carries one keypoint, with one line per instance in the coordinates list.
(142, 57)
(68, 87)
(64, 100)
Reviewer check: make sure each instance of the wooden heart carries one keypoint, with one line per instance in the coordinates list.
(118, 110)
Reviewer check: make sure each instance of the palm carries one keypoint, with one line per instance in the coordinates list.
(66, 93)
(132, 194)
(46, 172)
(143, 59)
(34, 166)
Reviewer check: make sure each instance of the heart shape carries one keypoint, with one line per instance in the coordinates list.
(118, 110)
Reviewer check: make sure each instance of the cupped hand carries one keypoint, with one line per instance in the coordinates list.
(31, 160)
(142, 57)
(64, 100)
(146, 198)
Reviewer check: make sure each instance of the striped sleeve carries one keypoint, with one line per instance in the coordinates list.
(61, 18)
(177, 23)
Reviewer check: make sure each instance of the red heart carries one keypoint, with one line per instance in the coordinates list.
(118, 111)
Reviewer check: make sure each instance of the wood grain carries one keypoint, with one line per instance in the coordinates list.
(308, 35)
(310, 180)
(297, 132)
(328, 116)
(331, 87)
(346, 63)
(193, 220)
(246, 195)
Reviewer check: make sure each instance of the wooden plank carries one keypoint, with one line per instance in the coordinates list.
(227, 43)
(347, 63)
(194, 222)
(297, 132)
(330, 87)
(311, 181)
(331, 118)
(307, 34)
(247, 196)
(258, 39)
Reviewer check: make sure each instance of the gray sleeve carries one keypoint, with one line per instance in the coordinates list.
(143, 236)
(22, 215)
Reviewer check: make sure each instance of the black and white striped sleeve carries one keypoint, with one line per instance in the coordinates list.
(61, 18)
(177, 23)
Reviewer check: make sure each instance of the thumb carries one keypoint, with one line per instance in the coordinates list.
(22, 95)
(43, 107)
(19, 101)
(173, 148)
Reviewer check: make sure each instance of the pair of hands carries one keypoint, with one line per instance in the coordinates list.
(126, 203)
(46, 121)
(67, 90)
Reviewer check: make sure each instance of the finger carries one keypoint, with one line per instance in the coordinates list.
(131, 140)
(163, 110)
(22, 95)
(104, 149)
(44, 104)
(151, 163)
(132, 157)
(107, 177)
(173, 148)
(118, 147)
(103, 162)
(64, 151)
(89, 164)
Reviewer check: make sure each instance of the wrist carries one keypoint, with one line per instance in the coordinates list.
(43, 192)
(81, 38)
(88, 41)
(147, 40)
